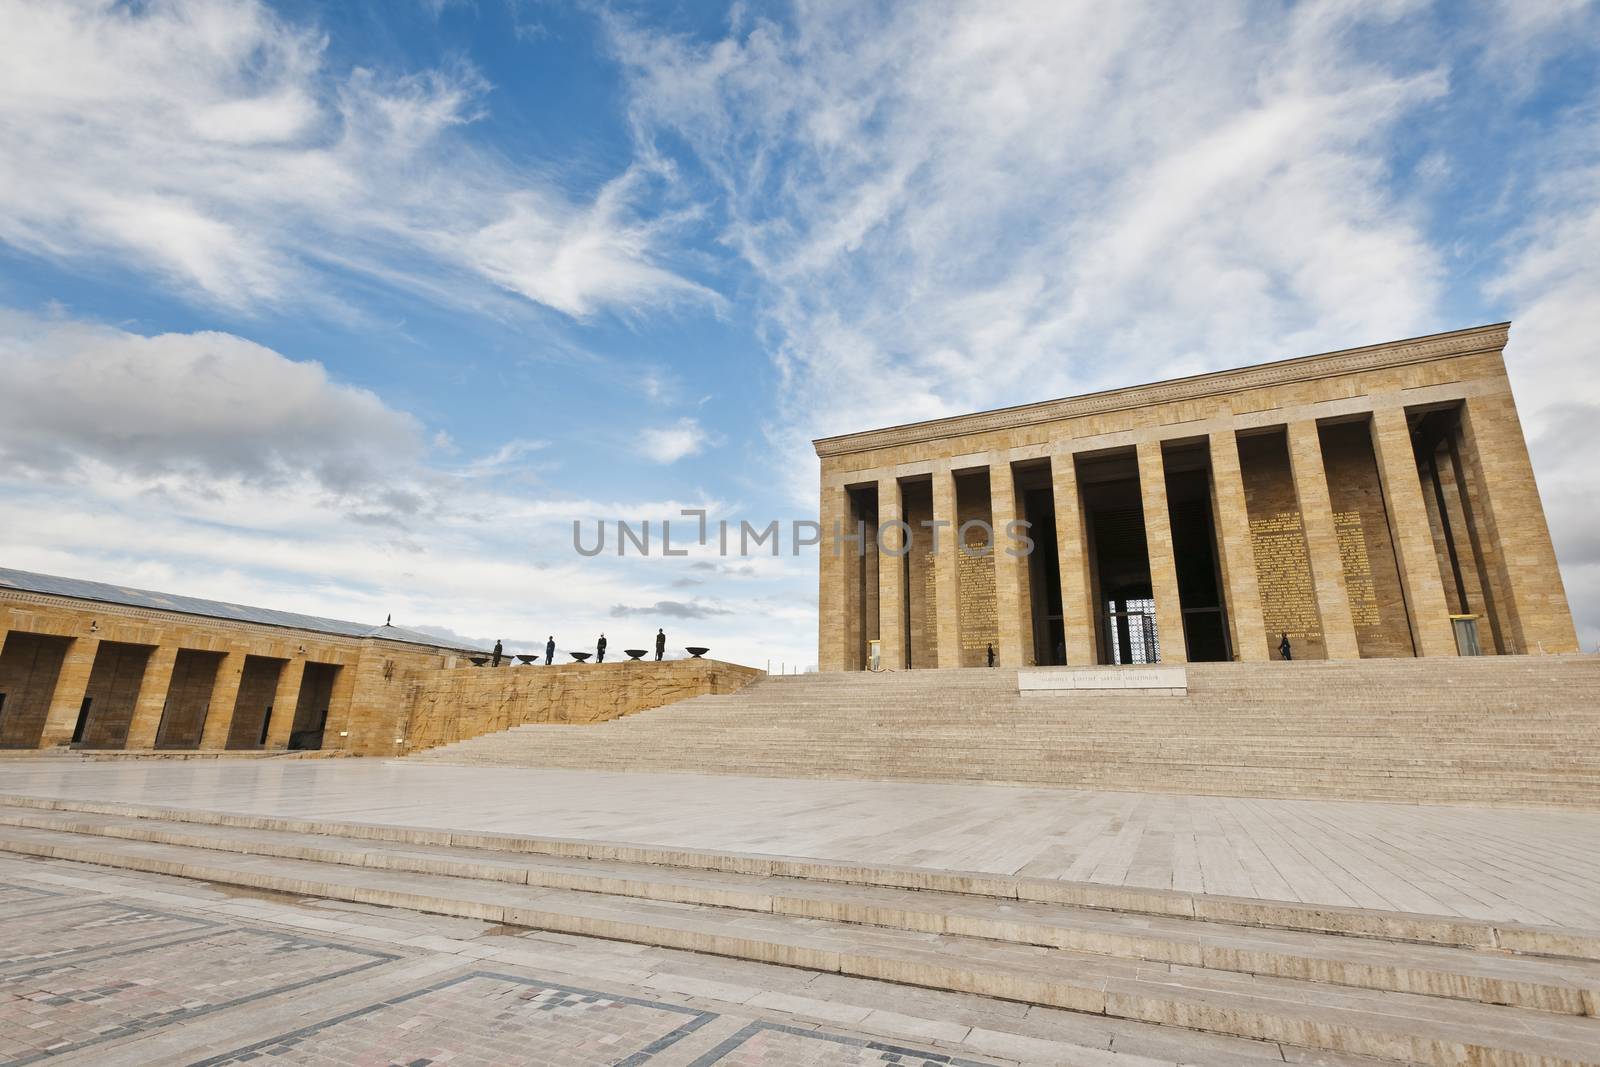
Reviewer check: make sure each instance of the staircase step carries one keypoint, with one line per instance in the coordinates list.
(1493, 730)
(1395, 1025)
(1567, 987)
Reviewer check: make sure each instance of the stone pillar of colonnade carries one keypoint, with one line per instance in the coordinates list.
(1534, 606)
(1420, 579)
(224, 695)
(946, 574)
(891, 575)
(1238, 551)
(1013, 617)
(285, 701)
(338, 732)
(71, 684)
(1078, 608)
(1163, 564)
(834, 514)
(1322, 540)
(152, 700)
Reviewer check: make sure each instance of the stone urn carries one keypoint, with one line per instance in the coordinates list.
(636, 653)
(526, 659)
(581, 657)
(696, 650)
(478, 661)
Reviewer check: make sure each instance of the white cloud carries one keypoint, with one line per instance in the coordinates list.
(209, 406)
(1551, 280)
(209, 142)
(208, 465)
(954, 206)
(668, 444)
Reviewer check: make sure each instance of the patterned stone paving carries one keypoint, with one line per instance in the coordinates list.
(117, 969)
(67, 1005)
(22, 894)
(486, 1018)
(766, 1044)
(49, 933)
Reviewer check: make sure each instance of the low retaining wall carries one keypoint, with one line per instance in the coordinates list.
(463, 702)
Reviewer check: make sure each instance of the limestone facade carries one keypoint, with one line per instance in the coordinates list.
(1371, 502)
(455, 704)
(98, 675)
(114, 676)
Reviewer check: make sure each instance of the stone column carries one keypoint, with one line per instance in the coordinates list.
(833, 628)
(284, 701)
(1420, 579)
(946, 576)
(1322, 541)
(224, 694)
(71, 685)
(1535, 601)
(341, 702)
(1014, 620)
(1163, 565)
(1079, 617)
(891, 576)
(152, 701)
(1232, 516)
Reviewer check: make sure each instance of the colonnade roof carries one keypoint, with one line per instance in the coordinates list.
(101, 592)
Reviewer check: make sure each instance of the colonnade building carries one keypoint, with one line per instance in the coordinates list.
(1371, 502)
(101, 666)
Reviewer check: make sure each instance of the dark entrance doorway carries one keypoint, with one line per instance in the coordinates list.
(112, 695)
(252, 711)
(30, 664)
(311, 712)
(1036, 504)
(183, 719)
(1194, 551)
(1119, 557)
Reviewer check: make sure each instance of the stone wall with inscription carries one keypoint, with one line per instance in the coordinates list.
(1371, 573)
(1283, 566)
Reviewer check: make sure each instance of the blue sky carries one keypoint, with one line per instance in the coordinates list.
(353, 308)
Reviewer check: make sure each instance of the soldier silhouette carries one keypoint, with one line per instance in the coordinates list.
(1285, 649)
(600, 649)
(991, 655)
(661, 643)
(550, 650)
(495, 661)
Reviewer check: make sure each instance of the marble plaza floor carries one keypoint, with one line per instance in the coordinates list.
(1531, 866)
(116, 969)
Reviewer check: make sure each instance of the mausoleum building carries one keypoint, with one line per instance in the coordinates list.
(1371, 502)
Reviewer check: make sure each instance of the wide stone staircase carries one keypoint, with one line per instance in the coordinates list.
(1517, 730)
(1323, 983)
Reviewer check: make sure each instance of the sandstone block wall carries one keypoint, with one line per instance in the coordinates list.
(464, 702)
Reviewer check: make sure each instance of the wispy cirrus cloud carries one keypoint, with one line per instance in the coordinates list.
(679, 440)
(948, 206)
(211, 144)
(951, 206)
(1551, 277)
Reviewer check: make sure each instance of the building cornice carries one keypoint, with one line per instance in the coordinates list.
(1490, 338)
(167, 618)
